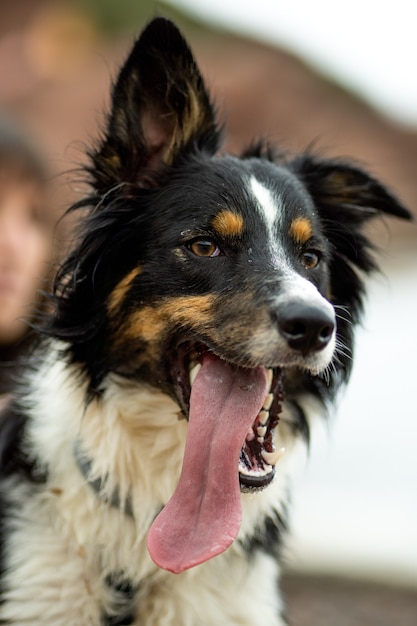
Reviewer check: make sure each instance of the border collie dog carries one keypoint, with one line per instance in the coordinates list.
(203, 318)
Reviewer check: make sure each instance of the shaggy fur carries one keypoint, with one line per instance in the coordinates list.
(248, 267)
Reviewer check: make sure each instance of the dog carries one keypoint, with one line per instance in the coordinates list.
(201, 322)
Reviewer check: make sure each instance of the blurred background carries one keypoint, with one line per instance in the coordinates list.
(342, 77)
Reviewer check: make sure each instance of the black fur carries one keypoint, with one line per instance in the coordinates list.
(124, 602)
(14, 458)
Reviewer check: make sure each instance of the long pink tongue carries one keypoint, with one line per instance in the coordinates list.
(203, 517)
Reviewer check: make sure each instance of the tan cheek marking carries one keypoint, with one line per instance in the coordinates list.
(301, 230)
(151, 322)
(119, 292)
(228, 224)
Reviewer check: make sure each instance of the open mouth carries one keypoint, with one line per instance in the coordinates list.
(258, 455)
(232, 412)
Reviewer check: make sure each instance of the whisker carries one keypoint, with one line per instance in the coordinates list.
(338, 356)
(345, 319)
(326, 375)
(340, 345)
(343, 309)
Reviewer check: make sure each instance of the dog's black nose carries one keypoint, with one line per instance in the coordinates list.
(306, 328)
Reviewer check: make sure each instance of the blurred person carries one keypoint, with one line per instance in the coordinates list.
(25, 247)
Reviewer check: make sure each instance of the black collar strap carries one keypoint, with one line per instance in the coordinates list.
(84, 465)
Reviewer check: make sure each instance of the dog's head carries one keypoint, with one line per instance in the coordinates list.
(242, 274)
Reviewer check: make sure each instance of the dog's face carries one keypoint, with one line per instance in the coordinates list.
(224, 282)
(235, 262)
(235, 259)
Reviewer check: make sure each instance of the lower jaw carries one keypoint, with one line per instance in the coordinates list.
(252, 482)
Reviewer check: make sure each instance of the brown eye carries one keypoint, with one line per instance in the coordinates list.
(204, 248)
(311, 259)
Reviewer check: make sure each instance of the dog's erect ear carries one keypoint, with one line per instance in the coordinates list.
(159, 107)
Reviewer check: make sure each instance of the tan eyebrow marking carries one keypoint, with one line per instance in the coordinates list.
(301, 230)
(228, 224)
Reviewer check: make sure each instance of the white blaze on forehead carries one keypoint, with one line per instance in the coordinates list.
(266, 204)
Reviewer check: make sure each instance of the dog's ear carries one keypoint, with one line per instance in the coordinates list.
(346, 197)
(346, 193)
(160, 107)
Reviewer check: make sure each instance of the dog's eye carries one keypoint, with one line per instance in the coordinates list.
(311, 259)
(204, 248)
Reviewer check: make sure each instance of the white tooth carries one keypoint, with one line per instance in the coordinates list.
(260, 439)
(272, 457)
(261, 430)
(263, 417)
(268, 401)
(193, 373)
(270, 375)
